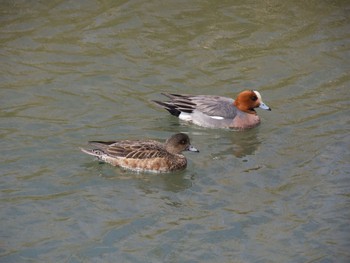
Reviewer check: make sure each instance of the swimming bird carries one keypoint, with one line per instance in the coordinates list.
(216, 111)
(144, 155)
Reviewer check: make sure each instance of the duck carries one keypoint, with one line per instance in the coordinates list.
(211, 111)
(144, 155)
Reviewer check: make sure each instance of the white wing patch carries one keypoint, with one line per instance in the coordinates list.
(188, 117)
(217, 117)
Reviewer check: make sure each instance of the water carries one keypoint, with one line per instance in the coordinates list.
(73, 71)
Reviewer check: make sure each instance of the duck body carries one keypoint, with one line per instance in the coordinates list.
(144, 155)
(216, 111)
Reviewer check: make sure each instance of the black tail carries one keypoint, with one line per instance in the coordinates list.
(169, 107)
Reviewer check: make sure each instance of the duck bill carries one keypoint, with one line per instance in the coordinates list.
(192, 149)
(264, 106)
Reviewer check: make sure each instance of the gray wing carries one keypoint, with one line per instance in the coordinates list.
(209, 105)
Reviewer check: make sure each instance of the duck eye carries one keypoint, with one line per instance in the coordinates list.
(254, 98)
(183, 142)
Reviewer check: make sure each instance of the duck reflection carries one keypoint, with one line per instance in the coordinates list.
(245, 143)
(147, 182)
(240, 144)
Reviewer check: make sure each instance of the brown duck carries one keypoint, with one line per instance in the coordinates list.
(144, 156)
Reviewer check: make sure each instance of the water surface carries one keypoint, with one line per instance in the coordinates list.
(73, 71)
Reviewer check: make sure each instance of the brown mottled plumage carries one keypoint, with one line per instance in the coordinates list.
(147, 155)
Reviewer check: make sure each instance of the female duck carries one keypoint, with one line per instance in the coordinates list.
(148, 155)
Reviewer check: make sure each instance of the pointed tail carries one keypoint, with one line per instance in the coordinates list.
(169, 107)
(94, 152)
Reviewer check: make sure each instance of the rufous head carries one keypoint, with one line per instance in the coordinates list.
(248, 100)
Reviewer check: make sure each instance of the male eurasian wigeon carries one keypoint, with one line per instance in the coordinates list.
(144, 156)
(215, 111)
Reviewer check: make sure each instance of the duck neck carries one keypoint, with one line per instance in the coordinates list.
(171, 150)
(243, 108)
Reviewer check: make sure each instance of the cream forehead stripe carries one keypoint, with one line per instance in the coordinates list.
(257, 94)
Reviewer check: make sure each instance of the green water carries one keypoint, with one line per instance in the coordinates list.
(73, 71)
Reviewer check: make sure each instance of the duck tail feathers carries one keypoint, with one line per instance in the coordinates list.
(94, 152)
(169, 107)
